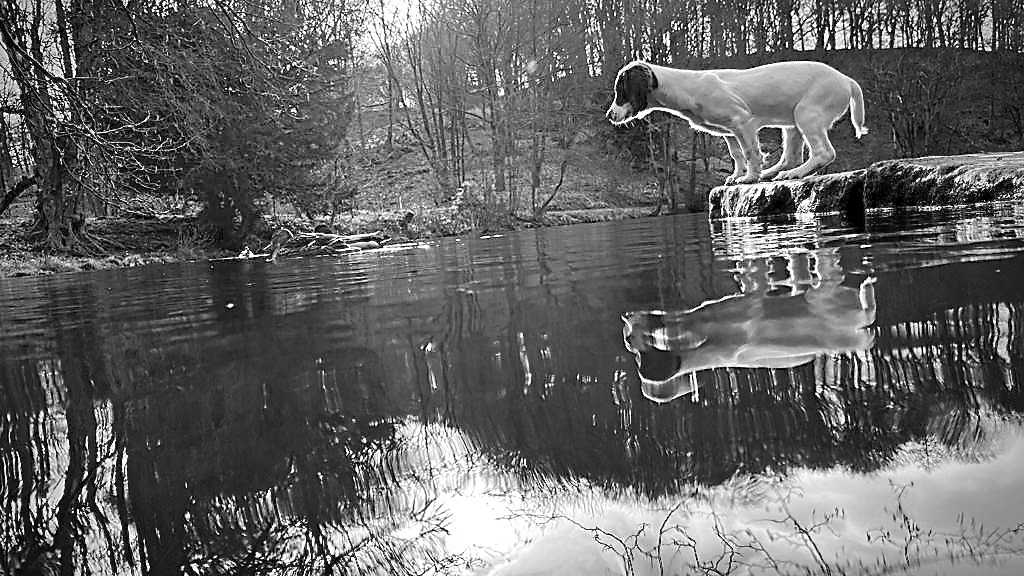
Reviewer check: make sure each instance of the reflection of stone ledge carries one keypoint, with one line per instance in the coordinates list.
(930, 181)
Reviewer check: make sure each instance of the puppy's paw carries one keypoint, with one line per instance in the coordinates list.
(747, 179)
(787, 175)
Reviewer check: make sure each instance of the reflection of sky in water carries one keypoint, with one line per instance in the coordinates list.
(919, 513)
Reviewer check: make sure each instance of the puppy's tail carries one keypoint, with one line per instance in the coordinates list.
(857, 109)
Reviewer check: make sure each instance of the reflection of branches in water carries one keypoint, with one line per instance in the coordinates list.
(290, 546)
(689, 539)
(399, 529)
(919, 546)
(803, 533)
(58, 443)
(671, 543)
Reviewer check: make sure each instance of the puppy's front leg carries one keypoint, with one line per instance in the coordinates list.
(738, 163)
(747, 138)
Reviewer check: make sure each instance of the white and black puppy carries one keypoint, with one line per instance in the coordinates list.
(802, 98)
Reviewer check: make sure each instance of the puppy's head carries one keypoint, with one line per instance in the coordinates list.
(633, 85)
(663, 345)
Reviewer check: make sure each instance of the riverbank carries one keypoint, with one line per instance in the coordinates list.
(126, 242)
(912, 182)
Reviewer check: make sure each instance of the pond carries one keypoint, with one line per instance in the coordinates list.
(659, 396)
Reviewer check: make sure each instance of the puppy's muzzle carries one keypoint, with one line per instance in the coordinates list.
(616, 114)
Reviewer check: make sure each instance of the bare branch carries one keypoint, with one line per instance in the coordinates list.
(20, 187)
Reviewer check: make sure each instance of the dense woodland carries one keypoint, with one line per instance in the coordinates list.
(224, 109)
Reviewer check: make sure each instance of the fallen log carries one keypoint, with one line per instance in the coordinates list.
(284, 242)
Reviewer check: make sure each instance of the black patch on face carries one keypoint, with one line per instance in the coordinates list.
(633, 87)
(658, 365)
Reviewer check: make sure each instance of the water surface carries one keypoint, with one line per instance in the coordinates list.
(474, 406)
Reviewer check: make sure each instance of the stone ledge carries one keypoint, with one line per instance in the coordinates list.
(945, 180)
(928, 181)
(829, 193)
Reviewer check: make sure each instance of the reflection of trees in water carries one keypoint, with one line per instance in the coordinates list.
(226, 469)
(57, 436)
(963, 367)
(552, 398)
(56, 464)
(145, 449)
(247, 469)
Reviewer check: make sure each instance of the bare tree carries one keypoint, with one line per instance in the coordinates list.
(424, 59)
(45, 97)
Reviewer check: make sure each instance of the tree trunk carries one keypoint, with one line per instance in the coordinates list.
(58, 220)
(6, 159)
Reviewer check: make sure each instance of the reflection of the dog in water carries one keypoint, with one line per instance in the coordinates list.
(789, 310)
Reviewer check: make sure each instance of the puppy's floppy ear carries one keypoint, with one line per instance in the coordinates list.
(644, 77)
(641, 81)
(654, 78)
